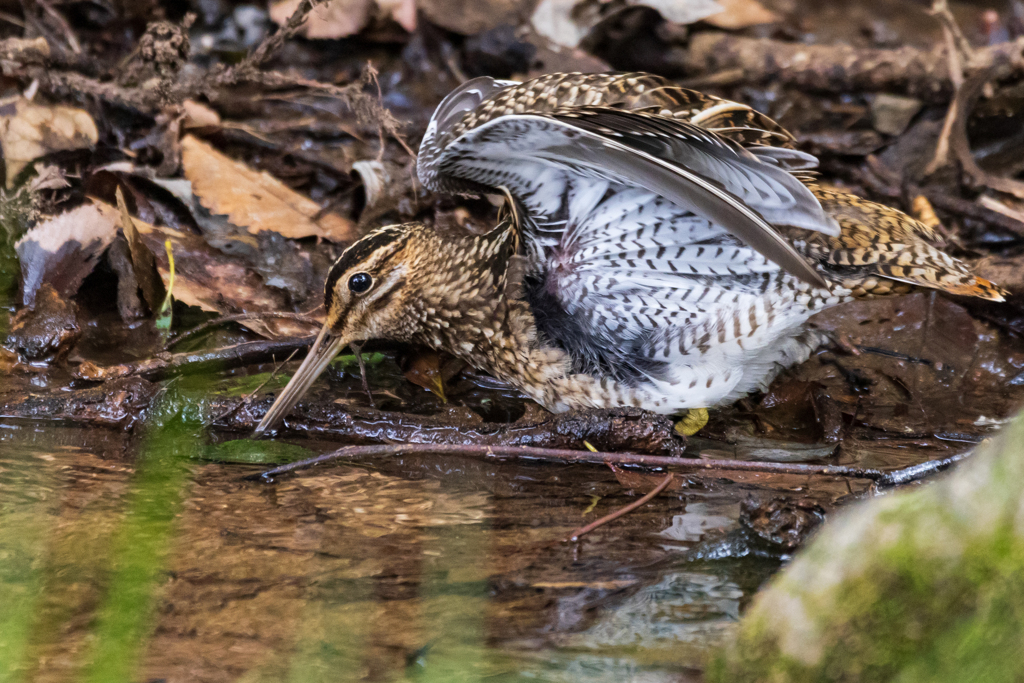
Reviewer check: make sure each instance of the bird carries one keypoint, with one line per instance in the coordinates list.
(657, 248)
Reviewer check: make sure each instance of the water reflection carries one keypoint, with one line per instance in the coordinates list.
(699, 520)
(128, 558)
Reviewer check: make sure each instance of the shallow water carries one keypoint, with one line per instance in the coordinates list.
(147, 556)
(133, 558)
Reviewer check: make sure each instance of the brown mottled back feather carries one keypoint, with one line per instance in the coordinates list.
(881, 250)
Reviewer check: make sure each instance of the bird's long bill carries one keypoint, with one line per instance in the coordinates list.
(323, 351)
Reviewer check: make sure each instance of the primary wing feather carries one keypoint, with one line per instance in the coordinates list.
(702, 175)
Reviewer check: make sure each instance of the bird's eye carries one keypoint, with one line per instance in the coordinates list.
(360, 282)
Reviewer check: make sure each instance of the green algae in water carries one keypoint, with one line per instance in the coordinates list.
(23, 529)
(239, 386)
(248, 451)
(244, 385)
(125, 619)
(349, 360)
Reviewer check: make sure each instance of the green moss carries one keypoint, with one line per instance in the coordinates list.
(17, 212)
(930, 588)
(907, 618)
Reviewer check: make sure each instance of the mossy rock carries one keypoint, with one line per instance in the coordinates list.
(920, 586)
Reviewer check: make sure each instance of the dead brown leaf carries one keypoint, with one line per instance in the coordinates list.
(686, 12)
(737, 14)
(207, 279)
(341, 18)
(925, 366)
(567, 22)
(402, 11)
(554, 20)
(143, 260)
(425, 371)
(330, 20)
(198, 115)
(63, 250)
(29, 130)
(48, 177)
(469, 17)
(255, 200)
(8, 361)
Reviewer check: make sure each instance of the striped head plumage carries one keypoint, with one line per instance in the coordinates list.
(405, 283)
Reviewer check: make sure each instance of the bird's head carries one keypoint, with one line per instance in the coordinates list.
(407, 283)
(370, 293)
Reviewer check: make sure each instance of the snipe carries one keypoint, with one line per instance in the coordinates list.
(659, 248)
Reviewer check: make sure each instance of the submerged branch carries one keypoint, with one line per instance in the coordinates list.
(110, 405)
(575, 534)
(693, 466)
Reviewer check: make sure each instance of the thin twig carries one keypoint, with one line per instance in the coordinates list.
(1000, 207)
(272, 43)
(248, 397)
(238, 318)
(367, 108)
(371, 73)
(973, 210)
(693, 466)
(966, 97)
(950, 29)
(626, 509)
(956, 39)
(215, 360)
(572, 456)
(357, 350)
(11, 19)
(916, 472)
(65, 27)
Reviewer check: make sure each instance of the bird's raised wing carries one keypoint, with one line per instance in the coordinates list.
(695, 169)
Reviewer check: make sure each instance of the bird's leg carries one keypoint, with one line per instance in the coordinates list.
(357, 350)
